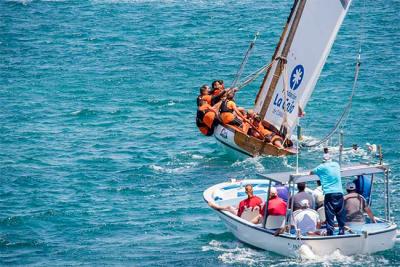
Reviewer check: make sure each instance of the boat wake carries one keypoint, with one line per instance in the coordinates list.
(349, 154)
(251, 163)
(234, 253)
(338, 259)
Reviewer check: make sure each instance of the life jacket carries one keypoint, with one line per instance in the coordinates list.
(205, 128)
(224, 107)
(202, 110)
(216, 92)
(207, 98)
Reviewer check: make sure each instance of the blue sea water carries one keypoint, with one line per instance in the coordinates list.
(100, 160)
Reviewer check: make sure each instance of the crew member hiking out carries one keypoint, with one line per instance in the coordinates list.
(217, 87)
(230, 113)
(205, 95)
(205, 118)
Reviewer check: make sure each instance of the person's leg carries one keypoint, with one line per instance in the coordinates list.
(337, 203)
(329, 214)
(341, 214)
(231, 209)
(236, 122)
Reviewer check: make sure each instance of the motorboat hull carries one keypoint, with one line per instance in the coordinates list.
(365, 239)
(365, 243)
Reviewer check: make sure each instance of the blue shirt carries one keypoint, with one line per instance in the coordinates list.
(329, 175)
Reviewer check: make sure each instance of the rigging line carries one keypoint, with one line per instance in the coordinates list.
(250, 78)
(345, 112)
(245, 59)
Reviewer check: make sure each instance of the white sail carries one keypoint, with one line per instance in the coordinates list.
(305, 43)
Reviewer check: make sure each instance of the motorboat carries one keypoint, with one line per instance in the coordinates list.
(363, 239)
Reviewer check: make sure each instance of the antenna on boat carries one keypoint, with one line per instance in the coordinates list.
(244, 61)
(341, 138)
(380, 154)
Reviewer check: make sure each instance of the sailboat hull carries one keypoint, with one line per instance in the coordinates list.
(247, 145)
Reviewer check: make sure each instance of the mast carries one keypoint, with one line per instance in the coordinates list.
(277, 47)
(282, 58)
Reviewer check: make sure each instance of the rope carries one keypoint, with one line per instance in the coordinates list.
(345, 112)
(250, 78)
(245, 59)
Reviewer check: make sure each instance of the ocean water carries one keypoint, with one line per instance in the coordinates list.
(100, 160)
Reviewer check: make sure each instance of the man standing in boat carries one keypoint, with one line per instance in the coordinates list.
(329, 175)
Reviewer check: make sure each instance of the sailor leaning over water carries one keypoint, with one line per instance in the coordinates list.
(329, 175)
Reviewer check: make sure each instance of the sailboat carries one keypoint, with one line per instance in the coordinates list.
(290, 78)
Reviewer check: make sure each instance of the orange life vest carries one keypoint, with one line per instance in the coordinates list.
(207, 98)
(226, 110)
(205, 119)
(274, 137)
(216, 92)
(208, 115)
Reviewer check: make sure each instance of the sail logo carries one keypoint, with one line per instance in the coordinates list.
(296, 77)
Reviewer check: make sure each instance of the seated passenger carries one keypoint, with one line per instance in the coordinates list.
(205, 118)
(205, 95)
(264, 134)
(251, 201)
(355, 205)
(318, 196)
(299, 196)
(276, 205)
(283, 192)
(229, 112)
(306, 219)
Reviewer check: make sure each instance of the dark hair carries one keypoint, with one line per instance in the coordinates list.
(326, 150)
(214, 82)
(318, 182)
(203, 87)
(221, 81)
(301, 186)
(247, 185)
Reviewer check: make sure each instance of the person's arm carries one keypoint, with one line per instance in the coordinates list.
(315, 170)
(215, 99)
(241, 209)
(370, 214)
(239, 113)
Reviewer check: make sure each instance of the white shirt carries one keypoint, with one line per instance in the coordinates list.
(306, 220)
(318, 196)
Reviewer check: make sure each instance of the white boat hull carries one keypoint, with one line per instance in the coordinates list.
(324, 245)
(367, 238)
(227, 138)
